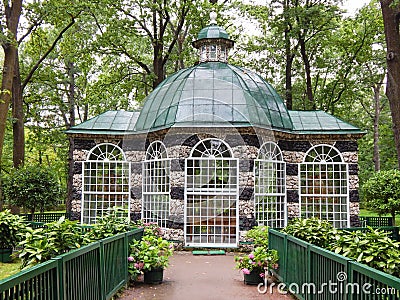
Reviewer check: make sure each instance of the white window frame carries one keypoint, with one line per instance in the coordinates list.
(270, 207)
(156, 185)
(105, 182)
(211, 202)
(324, 186)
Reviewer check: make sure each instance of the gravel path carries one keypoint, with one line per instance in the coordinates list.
(198, 277)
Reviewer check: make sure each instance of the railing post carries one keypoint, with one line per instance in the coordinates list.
(126, 247)
(60, 277)
(308, 271)
(102, 270)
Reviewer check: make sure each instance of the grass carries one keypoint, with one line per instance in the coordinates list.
(8, 269)
(368, 213)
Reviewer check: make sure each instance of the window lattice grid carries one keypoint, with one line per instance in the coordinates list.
(209, 174)
(156, 185)
(211, 148)
(106, 152)
(332, 209)
(270, 193)
(323, 186)
(211, 219)
(105, 186)
(156, 209)
(156, 150)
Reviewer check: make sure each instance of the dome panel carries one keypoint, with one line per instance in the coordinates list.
(211, 94)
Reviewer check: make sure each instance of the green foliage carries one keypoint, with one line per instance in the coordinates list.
(258, 260)
(32, 187)
(315, 231)
(382, 192)
(58, 237)
(152, 252)
(109, 225)
(10, 227)
(373, 248)
(258, 235)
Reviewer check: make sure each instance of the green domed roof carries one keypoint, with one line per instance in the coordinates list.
(213, 32)
(213, 94)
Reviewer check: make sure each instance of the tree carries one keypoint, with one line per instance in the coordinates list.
(382, 192)
(32, 187)
(391, 21)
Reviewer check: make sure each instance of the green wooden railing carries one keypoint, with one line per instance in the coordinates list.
(93, 272)
(313, 273)
(45, 217)
(376, 221)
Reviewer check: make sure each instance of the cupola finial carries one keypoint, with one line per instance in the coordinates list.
(213, 17)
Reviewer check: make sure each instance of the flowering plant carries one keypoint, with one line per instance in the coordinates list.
(259, 260)
(149, 253)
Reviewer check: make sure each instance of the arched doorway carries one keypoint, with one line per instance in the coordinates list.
(211, 195)
(105, 183)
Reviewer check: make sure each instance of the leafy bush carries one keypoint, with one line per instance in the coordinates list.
(382, 192)
(10, 227)
(258, 260)
(58, 237)
(109, 225)
(258, 235)
(33, 187)
(313, 230)
(373, 248)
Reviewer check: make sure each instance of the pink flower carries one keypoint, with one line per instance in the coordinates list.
(259, 264)
(262, 275)
(246, 271)
(130, 259)
(275, 266)
(251, 255)
(140, 265)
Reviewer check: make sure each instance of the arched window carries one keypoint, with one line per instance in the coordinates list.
(324, 186)
(106, 182)
(270, 186)
(156, 185)
(211, 195)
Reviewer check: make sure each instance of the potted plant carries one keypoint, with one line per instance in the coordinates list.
(149, 256)
(257, 264)
(10, 227)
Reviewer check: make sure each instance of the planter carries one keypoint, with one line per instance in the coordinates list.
(154, 276)
(5, 255)
(253, 278)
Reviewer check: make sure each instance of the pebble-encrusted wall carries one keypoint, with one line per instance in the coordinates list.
(245, 143)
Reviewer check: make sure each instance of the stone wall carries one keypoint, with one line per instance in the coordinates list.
(245, 143)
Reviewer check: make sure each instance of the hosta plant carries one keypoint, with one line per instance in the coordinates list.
(372, 247)
(10, 227)
(313, 230)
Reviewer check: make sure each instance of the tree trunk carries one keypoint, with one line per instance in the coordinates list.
(391, 17)
(158, 64)
(18, 119)
(307, 70)
(377, 108)
(71, 103)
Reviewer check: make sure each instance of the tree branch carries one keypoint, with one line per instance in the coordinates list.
(36, 66)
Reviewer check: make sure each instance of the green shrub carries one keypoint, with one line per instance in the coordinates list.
(56, 238)
(373, 248)
(10, 227)
(382, 192)
(313, 230)
(258, 235)
(33, 187)
(110, 225)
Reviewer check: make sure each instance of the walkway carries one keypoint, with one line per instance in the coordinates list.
(191, 277)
